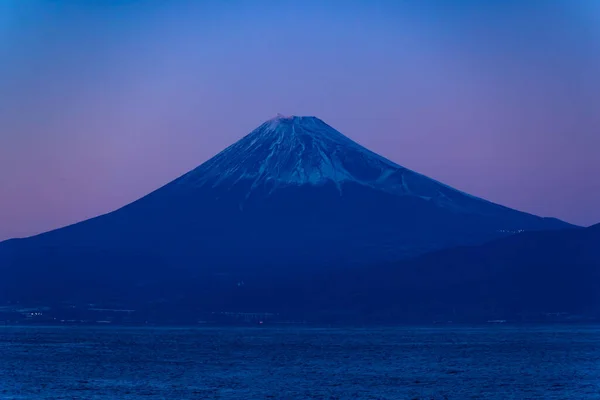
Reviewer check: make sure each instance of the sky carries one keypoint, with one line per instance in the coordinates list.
(104, 101)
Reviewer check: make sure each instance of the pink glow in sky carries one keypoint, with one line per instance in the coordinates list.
(102, 102)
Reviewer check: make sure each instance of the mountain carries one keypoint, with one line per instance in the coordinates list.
(293, 197)
(528, 275)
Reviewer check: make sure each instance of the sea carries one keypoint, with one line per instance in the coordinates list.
(445, 362)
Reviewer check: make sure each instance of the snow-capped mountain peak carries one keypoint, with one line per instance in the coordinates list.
(264, 209)
(293, 150)
(303, 150)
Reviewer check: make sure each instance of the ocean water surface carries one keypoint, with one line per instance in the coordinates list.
(492, 362)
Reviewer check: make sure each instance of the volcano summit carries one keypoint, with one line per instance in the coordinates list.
(293, 195)
(296, 151)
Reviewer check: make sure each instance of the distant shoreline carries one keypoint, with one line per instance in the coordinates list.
(308, 326)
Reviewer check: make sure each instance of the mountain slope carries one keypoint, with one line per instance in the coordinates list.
(294, 195)
(533, 273)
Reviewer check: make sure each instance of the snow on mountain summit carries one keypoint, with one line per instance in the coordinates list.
(304, 150)
(293, 150)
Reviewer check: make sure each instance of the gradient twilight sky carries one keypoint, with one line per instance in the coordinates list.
(103, 101)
